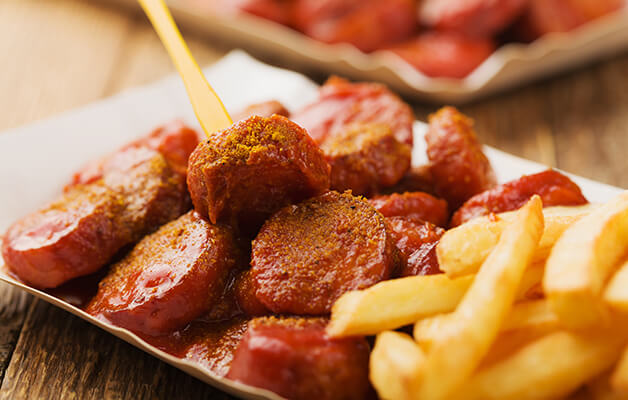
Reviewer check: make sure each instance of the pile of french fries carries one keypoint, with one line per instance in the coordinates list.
(533, 305)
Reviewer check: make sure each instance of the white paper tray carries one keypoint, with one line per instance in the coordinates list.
(510, 66)
(38, 159)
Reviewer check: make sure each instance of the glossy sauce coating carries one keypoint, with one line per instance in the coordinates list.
(417, 179)
(413, 205)
(416, 241)
(245, 293)
(78, 233)
(367, 24)
(445, 54)
(307, 255)
(265, 109)
(295, 358)
(213, 345)
(341, 103)
(554, 188)
(170, 278)
(175, 141)
(250, 170)
(366, 158)
(457, 162)
(475, 18)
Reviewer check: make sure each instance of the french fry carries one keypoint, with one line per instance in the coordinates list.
(551, 367)
(507, 343)
(582, 260)
(477, 319)
(619, 378)
(600, 388)
(463, 249)
(398, 302)
(524, 315)
(616, 293)
(395, 364)
(395, 303)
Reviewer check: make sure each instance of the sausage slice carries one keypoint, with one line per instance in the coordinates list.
(170, 278)
(255, 167)
(414, 205)
(366, 159)
(295, 358)
(307, 255)
(554, 188)
(341, 103)
(416, 241)
(77, 234)
(457, 163)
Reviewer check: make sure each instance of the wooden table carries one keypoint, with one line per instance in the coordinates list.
(60, 54)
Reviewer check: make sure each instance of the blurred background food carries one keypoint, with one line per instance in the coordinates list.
(440, 38)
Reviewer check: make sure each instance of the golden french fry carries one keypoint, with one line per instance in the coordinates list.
(551, 367)
(582, 260)
(600, 388)
(395, 303)
(531, 286)
(398, 302)
(463, 249)
(524, 315)
(477, 319)
(619, 378)
(530, 314)
(395, 365)
(508, 343)
(616, 293)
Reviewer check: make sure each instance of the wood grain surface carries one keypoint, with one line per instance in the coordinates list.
(59, 54)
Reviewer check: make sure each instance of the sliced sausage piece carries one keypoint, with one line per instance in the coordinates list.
(77, 234)
(341, 103)
(473, 18)
(414, 205)
(212, 345)
(366, 159)
(416, 241)
(170, 278)
(265, 109)
(174, 141)
(457, 162)
(308, 255)
(417, 179)
(245, 290)
(366, 24)
(250, 170)
(554, 188)
(295, 358)
(445, 54)
(546, 16)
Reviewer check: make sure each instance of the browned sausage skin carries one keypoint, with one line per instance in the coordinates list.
(307, 255)
(417, 179)
(413, 205)
(77, 234)
(366, 158)
(457, 163)
(248, 171)
(175, 141)
(294, 358)
(341, 103)
(416, 241)
(170, 278)
(265, 109)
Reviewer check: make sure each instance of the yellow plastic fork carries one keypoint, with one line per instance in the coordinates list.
(208, 107)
